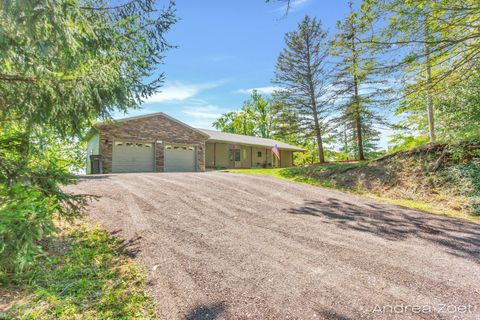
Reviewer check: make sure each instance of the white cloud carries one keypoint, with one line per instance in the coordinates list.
(202, 115)
(178, 91)
(204, 111)
(294, 6)
(261, 90)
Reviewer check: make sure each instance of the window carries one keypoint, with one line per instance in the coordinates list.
(237, 154)
(259, 154)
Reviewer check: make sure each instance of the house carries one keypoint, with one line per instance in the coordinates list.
(159, 143)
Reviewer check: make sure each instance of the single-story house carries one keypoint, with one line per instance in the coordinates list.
(159, 143)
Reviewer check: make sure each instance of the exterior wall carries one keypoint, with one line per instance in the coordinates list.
(286, 158)
(245, 152)
(158, 130)
(258, 161)
(221, 158)
(209, 155)
(93, 148)
(249, 156)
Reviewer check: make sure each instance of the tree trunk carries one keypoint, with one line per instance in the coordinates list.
(318, 135)
(358, 117)
(313, 101)
(428, 76)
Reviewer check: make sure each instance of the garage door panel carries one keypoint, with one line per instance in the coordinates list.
(133, 157)
(179, 158)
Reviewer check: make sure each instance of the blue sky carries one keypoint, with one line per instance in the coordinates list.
(226, 48)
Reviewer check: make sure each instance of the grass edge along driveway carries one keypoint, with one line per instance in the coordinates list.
(299, 175)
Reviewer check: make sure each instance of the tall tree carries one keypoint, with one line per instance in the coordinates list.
(63, 65)
(437, 39)
(253, 119)
(361, 93)
(263, 115)
(302, 75)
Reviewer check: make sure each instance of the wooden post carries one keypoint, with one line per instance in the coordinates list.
(214, 154)
(251, 156)
(266, 159)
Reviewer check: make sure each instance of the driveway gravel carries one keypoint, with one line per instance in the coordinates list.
(223, 245)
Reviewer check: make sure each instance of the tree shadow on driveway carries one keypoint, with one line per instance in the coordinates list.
(393, 222)
(206, 312)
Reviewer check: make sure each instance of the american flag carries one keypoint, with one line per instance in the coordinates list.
(276, 152)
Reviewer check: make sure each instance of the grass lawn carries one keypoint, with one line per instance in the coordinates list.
(300, 174)
(86, 274)
(303, 175)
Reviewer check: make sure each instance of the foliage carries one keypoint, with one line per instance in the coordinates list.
(86, 274)
(63, 65)
(253, 119)
(457, 112)
(424, 51)
(25, 216)
(32, 167)
(361, 91)
(302, 102)
(66, 63)
(434, 45)
(403, 29)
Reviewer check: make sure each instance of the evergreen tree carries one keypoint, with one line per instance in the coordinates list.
(302, 75)
(361, 91)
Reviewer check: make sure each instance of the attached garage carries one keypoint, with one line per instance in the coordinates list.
(180, 158)
(148, 143)
(130, 156)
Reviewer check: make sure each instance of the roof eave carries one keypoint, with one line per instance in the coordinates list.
(255, 145)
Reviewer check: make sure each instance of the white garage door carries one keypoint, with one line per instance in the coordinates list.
(131, 156)
(179, 158)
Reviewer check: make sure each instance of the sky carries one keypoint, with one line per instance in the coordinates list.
(224, 49)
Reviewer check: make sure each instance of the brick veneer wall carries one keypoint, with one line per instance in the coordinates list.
(150, 129)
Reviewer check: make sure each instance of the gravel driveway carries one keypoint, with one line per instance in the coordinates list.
(231, 246)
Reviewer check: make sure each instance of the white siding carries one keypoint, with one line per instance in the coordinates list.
(93, 148)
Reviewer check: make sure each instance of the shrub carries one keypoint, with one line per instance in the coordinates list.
(34, 165)
(25, 218)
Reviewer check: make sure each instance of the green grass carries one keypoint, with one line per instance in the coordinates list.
(427, 207)
(86, 274)
(279, 173)
(301, 174)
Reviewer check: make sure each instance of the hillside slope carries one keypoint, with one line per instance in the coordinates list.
(443, 175)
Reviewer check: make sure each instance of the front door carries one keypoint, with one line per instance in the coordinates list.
(234, 157)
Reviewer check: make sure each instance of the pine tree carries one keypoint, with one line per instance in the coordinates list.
(361, 91)
(302, 75)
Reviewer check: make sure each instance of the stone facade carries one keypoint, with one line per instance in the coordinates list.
(158, 129)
